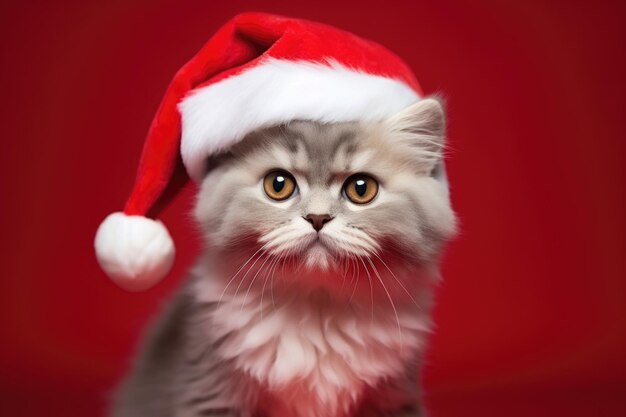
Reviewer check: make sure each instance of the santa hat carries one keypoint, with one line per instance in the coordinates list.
(257, 70)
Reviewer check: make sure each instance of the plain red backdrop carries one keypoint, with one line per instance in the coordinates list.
(531, 318)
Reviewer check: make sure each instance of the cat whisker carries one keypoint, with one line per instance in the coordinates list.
(355, 269)
(235, 242)
(344, 270)
(355, 274)
(397, 280)
(267, 277)
(290, 245)
(271, 269)
(284, 260)
(274, 269)
(393, 305)
(348, 247)
(283, 236)
(369, 279)
(243, 303)
(237, 273)
(248, 271)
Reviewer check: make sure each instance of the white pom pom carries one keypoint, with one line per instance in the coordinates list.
(134, 251)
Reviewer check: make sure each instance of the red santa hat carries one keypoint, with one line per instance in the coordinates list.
(257, 70)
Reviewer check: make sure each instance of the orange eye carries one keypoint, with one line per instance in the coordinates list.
(279, 185)
(361, 188)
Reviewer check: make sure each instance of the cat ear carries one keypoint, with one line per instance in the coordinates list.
(421, 128)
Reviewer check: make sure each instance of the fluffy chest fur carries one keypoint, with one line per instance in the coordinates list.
(308, 354)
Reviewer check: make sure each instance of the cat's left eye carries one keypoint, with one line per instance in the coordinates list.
(279, 185)
(360, 188)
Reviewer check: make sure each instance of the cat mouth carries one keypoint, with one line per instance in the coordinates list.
(316, 245)
(318, 254)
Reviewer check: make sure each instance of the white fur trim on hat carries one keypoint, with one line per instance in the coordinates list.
(219, 115)
(134, 251)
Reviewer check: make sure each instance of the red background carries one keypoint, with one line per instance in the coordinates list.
(531, 319)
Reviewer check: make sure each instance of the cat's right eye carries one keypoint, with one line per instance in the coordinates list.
(279, 185)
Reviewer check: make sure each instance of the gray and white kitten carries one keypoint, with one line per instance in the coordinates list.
(312, 297)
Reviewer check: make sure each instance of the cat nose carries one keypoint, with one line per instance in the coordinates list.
(318, 220)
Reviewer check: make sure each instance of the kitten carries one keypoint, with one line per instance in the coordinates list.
(312, 297)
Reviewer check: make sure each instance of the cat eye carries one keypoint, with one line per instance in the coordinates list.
(360, 188)
(279, 185)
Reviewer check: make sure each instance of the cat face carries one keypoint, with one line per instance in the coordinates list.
(326, 195)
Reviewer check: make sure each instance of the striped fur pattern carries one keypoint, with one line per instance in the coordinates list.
(280, 320)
